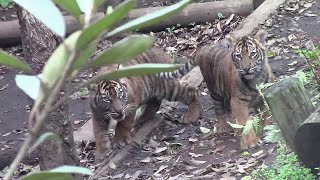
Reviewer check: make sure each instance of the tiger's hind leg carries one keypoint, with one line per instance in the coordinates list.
(189, 95)
(151, 107)
(123, 129)
(100, 130)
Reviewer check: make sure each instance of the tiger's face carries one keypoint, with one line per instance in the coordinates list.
(113, 99)
(249, 54)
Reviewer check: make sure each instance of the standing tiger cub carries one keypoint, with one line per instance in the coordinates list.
(231, 71)
(119, 100)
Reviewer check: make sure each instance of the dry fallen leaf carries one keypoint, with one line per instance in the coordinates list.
(197, 162)
(146, 160)
(159, 150)
(161, 168)
(193, 140)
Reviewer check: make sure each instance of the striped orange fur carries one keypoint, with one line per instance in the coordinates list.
(119, 99)
(232, 70)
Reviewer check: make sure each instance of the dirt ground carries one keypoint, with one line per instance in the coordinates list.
(174, 150)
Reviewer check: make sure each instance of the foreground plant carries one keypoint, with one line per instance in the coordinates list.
(285, 167)
(72, 56)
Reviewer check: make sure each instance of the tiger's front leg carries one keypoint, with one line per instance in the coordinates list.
(100, 130)
(123, 129)
(240, 110)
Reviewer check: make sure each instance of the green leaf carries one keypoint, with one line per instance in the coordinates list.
(72, 169)
(57, 61)
(29, 84)
(249, 125)
(13, 62)
(5, 3)
(46, 12)
(71, 6)
(84, 55)
(47, 176)
(151, 18)
(204, 130)
(47, 136)
(98, 28)
(124, 50)
(136, 70)
(245, 153)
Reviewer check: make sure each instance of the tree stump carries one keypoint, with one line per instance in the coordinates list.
(307, 140)
(290, 106)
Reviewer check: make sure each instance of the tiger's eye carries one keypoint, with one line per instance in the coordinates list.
(238, 56)
(252, 54)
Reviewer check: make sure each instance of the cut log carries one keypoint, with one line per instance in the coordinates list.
(258, 16)
(290, 106)
(197, 12)
(307, 140)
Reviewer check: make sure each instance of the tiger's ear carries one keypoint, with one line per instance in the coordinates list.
(229, 41)
(261, 36)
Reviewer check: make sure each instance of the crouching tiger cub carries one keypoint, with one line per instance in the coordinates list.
(232, 70)
(119, 100)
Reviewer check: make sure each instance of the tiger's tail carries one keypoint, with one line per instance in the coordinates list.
(184, 69)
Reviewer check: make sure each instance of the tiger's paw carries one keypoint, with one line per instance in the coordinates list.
(121, 139)
(249, 140)
(189, 118)
(223, 127)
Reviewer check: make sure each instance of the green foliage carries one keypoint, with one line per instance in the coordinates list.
(13, 62)
(101, 26)
(273, 134)
(308, 54)
(5, 3)
(286, 167)
(134, 44)
(271, 54)
(253, 123)
(312, 59)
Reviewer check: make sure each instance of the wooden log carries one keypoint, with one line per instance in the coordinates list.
(307, 140)
(197, 12)
(290, 106)
(258, 16)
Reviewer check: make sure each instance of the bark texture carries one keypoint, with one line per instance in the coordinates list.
(38, 43)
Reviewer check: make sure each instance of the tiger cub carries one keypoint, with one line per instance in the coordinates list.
(231, 70)
(119, 99)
